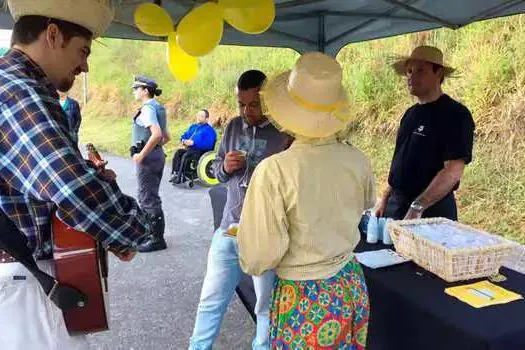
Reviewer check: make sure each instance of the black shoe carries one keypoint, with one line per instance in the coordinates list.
(173, 177)
(152, 245)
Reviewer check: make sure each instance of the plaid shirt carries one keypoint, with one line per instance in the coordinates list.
(42, 170)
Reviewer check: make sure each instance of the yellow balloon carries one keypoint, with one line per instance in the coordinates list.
(153, 20)
(249, 16)
(183, 66)
(200, 31)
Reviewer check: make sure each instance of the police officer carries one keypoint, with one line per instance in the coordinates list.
(148, 135)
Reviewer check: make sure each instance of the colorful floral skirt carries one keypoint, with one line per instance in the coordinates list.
(321, 314)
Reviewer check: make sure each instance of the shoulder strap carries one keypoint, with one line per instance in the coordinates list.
(15, 243)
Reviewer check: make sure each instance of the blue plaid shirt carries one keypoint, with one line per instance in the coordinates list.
(42, 170)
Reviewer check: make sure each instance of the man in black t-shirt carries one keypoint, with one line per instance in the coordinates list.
(434, 143)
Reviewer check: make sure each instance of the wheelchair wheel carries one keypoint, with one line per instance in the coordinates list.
(205, 169)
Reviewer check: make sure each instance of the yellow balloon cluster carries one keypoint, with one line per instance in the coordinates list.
(183, 66)
(200, 31)
(252, 17)
(153, 20)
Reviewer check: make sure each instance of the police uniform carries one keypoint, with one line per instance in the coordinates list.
(150, 170)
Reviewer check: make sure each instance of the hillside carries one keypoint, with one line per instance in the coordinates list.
(490, 57)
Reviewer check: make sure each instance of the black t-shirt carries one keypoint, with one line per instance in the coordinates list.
(429, 135)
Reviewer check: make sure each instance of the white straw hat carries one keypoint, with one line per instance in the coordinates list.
(309, 100)
(94, 15)
(423, 53)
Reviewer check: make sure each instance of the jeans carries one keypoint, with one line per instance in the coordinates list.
(222, 277)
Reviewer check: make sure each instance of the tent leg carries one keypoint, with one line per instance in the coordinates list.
(321, 38)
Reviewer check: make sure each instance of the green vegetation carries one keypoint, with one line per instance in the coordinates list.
(490, 57)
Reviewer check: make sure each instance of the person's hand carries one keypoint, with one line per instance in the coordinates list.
(413, 214)
(127, 256)
(100, 164)
(234, 161)
(380, 208)
(137, 158)
(108, 175)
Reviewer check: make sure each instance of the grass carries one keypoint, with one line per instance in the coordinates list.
(490, 57)
(491, 195)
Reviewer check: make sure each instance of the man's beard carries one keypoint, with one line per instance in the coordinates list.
(65, 85)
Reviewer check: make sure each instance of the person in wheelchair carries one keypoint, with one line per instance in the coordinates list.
(197, 140)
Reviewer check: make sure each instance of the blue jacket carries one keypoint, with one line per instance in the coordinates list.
(72, 110)
(203, 136)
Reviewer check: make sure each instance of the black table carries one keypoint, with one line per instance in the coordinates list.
(410, 310)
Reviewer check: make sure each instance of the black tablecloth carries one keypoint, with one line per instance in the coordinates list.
(410, 310)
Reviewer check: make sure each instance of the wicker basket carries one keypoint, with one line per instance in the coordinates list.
(450, 264)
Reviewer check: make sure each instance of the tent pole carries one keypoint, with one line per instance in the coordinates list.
(321, 30)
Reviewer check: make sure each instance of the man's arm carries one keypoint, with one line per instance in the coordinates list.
(48, 168)
(381, 206)
(440, 186)
(187, 133)
(204, 139)
(218, 166)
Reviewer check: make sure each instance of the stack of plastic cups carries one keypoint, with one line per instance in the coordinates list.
(377, 230)
(387, 239)
(372, 230)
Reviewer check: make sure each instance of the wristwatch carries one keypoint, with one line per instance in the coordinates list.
(416, 206)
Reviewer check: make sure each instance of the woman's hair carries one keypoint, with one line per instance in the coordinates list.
(152, 92)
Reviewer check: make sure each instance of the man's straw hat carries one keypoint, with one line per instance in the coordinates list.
(94, 15)
(423, 53)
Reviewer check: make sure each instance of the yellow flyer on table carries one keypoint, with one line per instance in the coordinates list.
(482, 294)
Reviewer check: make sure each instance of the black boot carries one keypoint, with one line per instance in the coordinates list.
(174, 176)
(156, 240)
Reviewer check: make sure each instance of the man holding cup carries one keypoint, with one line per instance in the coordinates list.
(247, 140)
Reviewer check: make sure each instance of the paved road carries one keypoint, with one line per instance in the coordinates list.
(154, 298)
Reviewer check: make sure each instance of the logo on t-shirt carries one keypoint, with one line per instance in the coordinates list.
(419, 130)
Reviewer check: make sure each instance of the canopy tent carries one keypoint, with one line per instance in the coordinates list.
(329, 25)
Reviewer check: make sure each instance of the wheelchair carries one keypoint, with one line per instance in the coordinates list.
(201, 170)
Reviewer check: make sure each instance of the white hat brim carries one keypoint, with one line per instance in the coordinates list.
(92, 15)
(291, 117)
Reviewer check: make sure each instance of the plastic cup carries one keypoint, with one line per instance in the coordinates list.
(372, 232)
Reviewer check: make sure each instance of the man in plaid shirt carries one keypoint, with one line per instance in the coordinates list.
(42, 169)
